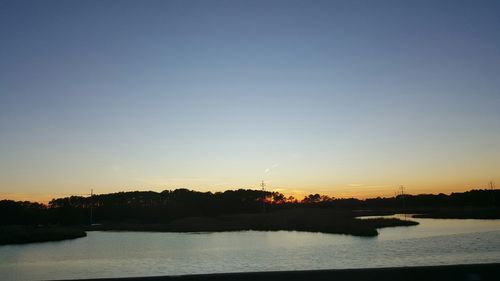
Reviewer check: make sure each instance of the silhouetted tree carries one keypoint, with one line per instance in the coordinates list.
(168, 205)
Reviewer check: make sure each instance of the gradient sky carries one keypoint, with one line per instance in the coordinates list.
(346, 98)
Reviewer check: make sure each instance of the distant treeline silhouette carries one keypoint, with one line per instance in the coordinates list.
(166, 206)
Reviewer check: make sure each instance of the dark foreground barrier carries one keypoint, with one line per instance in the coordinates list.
(470, 272)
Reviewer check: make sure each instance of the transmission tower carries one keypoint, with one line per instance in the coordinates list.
(91, 205)
(492, 191)
(402, 193)
(263, 185)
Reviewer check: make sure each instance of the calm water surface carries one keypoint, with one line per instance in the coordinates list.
(117, 254)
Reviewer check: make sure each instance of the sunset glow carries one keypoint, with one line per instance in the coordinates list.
(220, 96)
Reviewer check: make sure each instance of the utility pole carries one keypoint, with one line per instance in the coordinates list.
(263, 185)
(402, 192)
(492, 191)
(91, 205)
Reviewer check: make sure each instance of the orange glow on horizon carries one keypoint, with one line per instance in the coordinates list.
(297, 194)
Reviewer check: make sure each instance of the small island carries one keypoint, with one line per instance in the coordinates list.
(22, 234)
(304, 219)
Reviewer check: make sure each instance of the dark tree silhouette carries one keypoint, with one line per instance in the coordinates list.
(168, 205)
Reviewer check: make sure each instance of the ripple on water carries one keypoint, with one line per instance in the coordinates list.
(114, 254)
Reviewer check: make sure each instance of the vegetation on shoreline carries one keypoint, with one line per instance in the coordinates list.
(304, 219)
(460, 213)
(186, 210)
(22, 234)
(164, 207)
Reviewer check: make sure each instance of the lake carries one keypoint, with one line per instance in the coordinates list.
(119, 254)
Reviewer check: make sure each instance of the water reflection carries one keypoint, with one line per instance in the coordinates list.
(113, 254)
(435, 227)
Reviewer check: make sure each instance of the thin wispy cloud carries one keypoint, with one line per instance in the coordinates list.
(267, 170)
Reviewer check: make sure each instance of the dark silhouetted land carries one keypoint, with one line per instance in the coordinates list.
(304, 219)
(21, 234)
(184, 210)
(459, 213)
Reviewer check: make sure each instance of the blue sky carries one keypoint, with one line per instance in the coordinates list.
(338, 97)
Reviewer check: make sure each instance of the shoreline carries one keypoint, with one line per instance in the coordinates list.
(309, 220)
(470, 272)
(22, 234)
(369, 231)
(319, 220)
(18, 235)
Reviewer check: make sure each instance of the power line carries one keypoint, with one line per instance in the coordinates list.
(263, 185)
(91, 204)
(492, 191)
(403, 195)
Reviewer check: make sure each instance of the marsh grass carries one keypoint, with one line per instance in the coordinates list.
(305, 219)
(20, 234)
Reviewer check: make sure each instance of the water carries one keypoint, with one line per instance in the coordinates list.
(118, 254)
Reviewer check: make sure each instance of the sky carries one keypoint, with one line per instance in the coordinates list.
(345, 98)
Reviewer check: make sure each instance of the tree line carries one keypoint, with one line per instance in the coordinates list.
(168, 205)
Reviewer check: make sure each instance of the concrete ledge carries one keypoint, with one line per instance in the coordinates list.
(469, 272)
